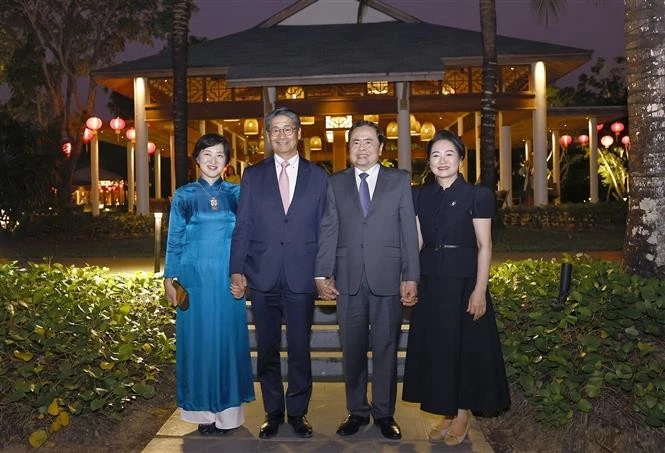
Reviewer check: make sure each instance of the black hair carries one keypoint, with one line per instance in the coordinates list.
(445, 134)
(208, 140)
(362, 123)
(285, 111)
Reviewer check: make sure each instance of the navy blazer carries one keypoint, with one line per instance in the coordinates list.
(267, 242)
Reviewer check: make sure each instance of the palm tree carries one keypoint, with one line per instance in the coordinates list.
(488, 97)
(644, 245)
(544, 9)
(182, 10)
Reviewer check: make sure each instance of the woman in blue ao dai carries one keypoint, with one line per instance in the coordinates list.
(213, 365)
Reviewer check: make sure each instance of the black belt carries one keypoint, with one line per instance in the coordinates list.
(437, 247)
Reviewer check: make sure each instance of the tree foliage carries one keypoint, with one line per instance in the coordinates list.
(47, 46)
(28, 171)
(605, 85)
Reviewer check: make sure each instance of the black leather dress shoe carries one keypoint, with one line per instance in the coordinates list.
(209, 429)
(270, 427)
(300, 426)
(389, 428)
(351, 424)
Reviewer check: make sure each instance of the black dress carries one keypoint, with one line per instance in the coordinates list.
(453, 362)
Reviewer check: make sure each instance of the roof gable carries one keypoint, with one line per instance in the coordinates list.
(325, 12)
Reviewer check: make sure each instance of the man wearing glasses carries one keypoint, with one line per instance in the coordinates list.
(273, 251)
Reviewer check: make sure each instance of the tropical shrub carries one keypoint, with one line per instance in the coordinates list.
(607, 337)
(77, 340)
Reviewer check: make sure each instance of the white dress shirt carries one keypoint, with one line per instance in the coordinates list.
(291, 171)
(371, 179)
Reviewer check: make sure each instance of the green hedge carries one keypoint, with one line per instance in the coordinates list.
(85, 226)
(585, 216)
(76, 340)
(608, 337)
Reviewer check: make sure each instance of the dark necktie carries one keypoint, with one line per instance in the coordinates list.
(364, 193)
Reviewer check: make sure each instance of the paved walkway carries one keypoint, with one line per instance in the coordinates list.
(326, 410)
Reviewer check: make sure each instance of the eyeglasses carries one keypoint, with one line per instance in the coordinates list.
(287, 131)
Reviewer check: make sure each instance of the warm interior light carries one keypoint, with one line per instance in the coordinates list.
(414, 125)
(392, 130)
(251, 127)
(427, 131)
(307, 120)
(315, 143)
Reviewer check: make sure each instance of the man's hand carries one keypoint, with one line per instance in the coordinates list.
(326, 288)
(409, 293)
(238, 285)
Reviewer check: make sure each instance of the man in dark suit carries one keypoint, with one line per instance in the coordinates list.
(368, 260)
(273, 251)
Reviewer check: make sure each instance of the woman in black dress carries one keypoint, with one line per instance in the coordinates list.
(454, 363)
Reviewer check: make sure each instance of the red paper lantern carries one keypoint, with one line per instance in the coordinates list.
(87, 135)
(93, 123)
(626, 141)
(583, 139)
(617, 127)
(151, 148)
(131, 134)
(565, 140)
(117, 124)
(599, 127)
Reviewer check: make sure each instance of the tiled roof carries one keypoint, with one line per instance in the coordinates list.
(310, 51)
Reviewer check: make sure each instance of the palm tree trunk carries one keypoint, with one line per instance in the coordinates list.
(644, 243)
(182, 10)
(488, 98)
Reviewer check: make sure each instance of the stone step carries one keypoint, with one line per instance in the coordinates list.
(324, 338)
(327, 365)
(325, 312)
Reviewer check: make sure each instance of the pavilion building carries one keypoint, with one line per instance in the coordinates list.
(409, 76)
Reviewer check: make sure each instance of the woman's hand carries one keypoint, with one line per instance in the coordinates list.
(238, 285)
(169, 291)
(477, 304)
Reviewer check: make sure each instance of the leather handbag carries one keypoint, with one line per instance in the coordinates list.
(181, 295)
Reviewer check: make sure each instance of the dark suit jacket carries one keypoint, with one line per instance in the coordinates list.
(385, 242)
(265, 240)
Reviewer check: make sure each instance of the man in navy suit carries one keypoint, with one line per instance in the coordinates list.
(273, 251)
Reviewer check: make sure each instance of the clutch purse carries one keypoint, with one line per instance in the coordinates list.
(181, 295)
